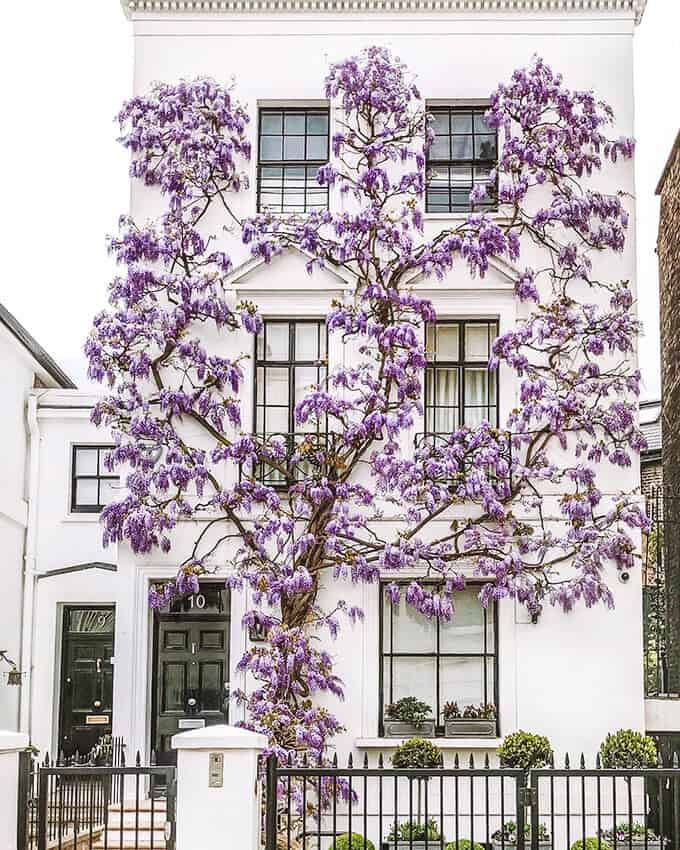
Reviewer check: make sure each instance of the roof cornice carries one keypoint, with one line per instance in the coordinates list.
(636, 7)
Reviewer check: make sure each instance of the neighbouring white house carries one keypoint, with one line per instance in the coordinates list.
(27, 371)
(95, 659)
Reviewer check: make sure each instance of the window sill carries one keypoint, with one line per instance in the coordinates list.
(442, 743)
(495, 215)
(83, 517)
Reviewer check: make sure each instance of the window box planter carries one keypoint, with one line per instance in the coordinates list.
(542, 845)
(432, 844)
(636, 842)
(404, 729)
(469, 727)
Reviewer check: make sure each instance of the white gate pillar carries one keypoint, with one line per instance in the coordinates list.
(217, 788)
(11, 744)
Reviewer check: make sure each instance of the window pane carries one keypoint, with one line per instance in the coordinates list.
(477, 341)
(485, 147)
(411, 631)
(271, 122)
(440, 124)
(277, 341)
(87, 491)
(294, 123)
(465, 631)
(476, 387)
(461, 680)
(461, 147)
(415, 677)
(305, 377)
(317, 147)
(461, 122)
(90, 620)
(306, 342)
(276, 420)
(86, 461)
(294, 147)
(445, 420)
(109, 490)
(271, 147)
(317, 124)
(480, 124)
(446, 387)
(276, 389)
(447, 342)
(440, 148)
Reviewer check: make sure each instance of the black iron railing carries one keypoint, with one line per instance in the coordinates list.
(290, 457)
(465, 806)
(89, 803)
(661, 505)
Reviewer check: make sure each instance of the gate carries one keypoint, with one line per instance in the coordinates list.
(83, 805)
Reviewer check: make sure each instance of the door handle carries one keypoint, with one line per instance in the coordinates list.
(99, 665)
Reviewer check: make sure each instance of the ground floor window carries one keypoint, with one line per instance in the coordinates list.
(439, 662)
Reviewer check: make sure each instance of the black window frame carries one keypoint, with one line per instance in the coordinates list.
(385, 699)
(102, 475)
(490, 202)
(311, 166)
(461, 364)
(291, 436)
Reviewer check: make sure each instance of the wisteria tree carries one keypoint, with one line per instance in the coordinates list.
(572, 353)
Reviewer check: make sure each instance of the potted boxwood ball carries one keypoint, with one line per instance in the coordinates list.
(628, 749)
(507, 836)
(417, 753)
(407, 717)
(631, 835)
(463, 844)
(416, 835)
(355, 842)
(590, 843)
(472, 721)
(525, 751)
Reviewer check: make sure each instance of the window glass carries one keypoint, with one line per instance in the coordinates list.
(92, 484)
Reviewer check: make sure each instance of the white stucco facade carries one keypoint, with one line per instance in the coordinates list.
(573, 677)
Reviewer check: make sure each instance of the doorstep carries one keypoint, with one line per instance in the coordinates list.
(442, 743)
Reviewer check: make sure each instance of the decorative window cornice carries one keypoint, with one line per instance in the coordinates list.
(635, 7)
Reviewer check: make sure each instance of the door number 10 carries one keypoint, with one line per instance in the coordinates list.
(197, 600)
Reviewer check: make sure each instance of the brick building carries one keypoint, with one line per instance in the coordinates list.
(668, 250)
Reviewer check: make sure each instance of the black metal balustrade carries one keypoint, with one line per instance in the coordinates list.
(95, 802)
(468, 807)
(661, 506)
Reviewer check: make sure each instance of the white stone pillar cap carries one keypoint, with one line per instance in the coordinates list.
(12, 741)
(219, 738)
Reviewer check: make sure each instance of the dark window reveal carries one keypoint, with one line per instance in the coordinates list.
(92, 485)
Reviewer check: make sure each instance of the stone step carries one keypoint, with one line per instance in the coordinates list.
(143, 819)
(143, 805)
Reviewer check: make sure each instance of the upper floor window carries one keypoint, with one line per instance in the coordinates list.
(463, 154)
(439, 662)
(92, 485)
(459, 387)
(293, 145)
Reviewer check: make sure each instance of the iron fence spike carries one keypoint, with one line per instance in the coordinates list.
(583, 762)
(486, 761)
(380, 761)
(366, 760)
(350, 761)
(566, 761)
(456, 761)
(335, 759)
(472, 761)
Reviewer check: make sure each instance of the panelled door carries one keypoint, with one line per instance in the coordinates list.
(86, 706)
(191, 667)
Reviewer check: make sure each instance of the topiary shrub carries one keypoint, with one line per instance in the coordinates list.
(590, 844)
(508, 834)
(628, 749)
(627, 833)
(353, 842)
(417, 752)
(525, 750)
(463, 844)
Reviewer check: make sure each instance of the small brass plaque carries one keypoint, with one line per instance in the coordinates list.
(97, 720)
(215, 770)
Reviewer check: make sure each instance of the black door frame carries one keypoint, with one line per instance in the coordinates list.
(64, 633)
(186, 617)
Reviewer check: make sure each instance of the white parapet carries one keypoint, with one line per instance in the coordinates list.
(11, 744)
(217, 788)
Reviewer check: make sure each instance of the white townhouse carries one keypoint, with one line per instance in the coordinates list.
(96, 659)
(27, 372)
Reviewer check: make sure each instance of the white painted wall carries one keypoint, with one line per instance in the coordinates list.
(573, 677)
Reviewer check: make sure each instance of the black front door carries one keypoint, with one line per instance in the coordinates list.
(191, 666)
(86, 704)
